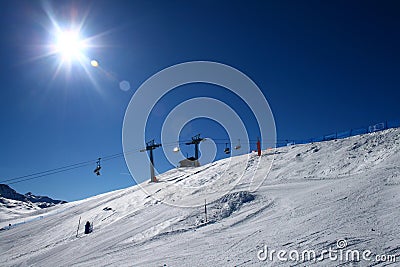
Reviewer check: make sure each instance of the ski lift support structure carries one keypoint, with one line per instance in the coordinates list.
(196, 141)
(150, 146)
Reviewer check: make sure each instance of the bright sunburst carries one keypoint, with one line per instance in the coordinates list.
(69, 45)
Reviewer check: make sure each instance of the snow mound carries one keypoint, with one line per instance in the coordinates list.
(230, 203)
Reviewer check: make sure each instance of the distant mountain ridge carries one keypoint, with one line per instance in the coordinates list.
(41, 201)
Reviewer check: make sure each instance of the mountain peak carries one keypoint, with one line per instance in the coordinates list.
(42, 201)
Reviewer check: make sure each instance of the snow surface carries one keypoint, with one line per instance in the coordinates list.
(10, 208)
(314, 195)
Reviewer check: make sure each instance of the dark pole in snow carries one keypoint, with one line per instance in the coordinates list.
(77, 230)
(205, 208)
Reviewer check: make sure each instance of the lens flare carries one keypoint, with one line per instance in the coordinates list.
(94, 63)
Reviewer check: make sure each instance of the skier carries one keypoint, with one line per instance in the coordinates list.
(87, 228)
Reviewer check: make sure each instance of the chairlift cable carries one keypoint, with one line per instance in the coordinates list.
(37, 175)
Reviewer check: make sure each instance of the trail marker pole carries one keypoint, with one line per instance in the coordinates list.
(205, 208)
(79, 223)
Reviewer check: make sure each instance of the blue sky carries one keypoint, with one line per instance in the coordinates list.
(323, 66)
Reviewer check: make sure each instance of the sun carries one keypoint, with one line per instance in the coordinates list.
(69, 45)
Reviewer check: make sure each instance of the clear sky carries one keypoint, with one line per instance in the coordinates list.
(323, 66)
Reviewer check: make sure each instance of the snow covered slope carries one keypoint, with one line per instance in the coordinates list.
(314, 195)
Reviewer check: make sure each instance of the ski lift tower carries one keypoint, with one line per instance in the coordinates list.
(150, 146)
(196, 141)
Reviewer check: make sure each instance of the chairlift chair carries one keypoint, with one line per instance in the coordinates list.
(227, 150)
(238, 146)
(98, 168)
